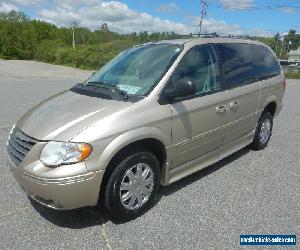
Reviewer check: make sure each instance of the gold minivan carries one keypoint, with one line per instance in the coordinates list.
(153, 115)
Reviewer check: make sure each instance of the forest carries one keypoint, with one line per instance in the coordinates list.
(28, 39)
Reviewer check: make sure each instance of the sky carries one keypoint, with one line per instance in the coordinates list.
(236, 17)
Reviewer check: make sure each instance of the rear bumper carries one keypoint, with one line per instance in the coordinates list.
(61, 193)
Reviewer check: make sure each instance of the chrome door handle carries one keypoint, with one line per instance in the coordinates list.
(221, 109)
(234, 104)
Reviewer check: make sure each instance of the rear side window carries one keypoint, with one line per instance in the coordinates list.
(247, 63)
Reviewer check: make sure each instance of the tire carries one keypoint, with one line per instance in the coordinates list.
(139, 170)
(263, 132)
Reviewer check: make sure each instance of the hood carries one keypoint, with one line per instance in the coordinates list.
(64, 115)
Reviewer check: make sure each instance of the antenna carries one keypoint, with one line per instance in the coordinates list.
(204, 5)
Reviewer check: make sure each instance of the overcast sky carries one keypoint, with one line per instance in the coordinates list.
(264, 17)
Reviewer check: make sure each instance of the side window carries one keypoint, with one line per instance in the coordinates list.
(246, 63)
(199, 65)
(266, 63)
(237, 64)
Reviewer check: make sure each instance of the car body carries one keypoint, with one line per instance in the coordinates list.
(184, 128)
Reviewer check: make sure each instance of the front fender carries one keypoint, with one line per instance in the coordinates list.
(101, 159)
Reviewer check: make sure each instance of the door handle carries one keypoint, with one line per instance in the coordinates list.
(234, 104)
(221, 109)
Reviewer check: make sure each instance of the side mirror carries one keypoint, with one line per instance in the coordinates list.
(184, 87)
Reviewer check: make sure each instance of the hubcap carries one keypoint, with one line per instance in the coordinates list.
(136, 186)
(265, 131)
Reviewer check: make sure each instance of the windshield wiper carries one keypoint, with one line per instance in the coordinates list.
(110, 87)
(120, 92)
(98, 85)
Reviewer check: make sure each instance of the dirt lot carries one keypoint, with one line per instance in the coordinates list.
(32, 69)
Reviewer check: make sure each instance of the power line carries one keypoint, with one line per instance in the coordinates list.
(231, 5)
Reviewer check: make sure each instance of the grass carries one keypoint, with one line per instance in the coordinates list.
(292, 74)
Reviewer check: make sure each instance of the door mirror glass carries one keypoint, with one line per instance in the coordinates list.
(182, 88)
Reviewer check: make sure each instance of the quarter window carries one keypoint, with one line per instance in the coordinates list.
(199, 65)
(247, 63)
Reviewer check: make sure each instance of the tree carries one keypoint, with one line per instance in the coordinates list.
(278, 44)
(23, 38)
(105, 33)
(292, 40)
(277, 37)
(14, 16)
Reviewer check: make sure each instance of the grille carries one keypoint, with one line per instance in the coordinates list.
(18, 145)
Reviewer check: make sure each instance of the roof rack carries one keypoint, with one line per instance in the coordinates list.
(213, 35)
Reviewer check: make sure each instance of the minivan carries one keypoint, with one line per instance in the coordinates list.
(156, 113)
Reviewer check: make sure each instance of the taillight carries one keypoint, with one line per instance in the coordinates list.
(284, 83)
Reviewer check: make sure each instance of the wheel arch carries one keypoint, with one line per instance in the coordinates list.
(270, 104)
(120, 147)
(271, 107)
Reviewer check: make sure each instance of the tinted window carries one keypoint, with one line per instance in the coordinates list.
(199, 65)
(247, 63)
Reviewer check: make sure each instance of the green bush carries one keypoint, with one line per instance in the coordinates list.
(293, 74)
(64, 55)
(23, 38)
(46, 50)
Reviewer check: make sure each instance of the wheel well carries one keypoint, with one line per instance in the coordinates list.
(155, 146)
(271, 107)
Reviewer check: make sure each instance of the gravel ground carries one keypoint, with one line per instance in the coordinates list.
(32, 69)
(247, 193)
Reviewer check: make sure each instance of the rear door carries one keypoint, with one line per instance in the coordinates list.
(244, 88)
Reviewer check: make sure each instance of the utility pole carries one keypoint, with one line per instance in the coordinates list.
(203, 14)
(73, 43)
(74, 25)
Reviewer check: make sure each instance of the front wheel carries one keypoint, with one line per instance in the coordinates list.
(263, 132)
(133, 185)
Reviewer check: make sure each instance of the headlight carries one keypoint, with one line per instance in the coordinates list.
(12, 129)
(55, 154)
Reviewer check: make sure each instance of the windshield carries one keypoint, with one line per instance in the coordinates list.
(136, 71)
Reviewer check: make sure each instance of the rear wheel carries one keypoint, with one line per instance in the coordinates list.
(263, 132)
(133, 185)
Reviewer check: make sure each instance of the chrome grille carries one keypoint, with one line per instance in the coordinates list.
(18, 145)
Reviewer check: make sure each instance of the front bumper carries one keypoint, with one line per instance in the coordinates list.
(61, 193)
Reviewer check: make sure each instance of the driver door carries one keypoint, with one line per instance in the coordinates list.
(198, 121)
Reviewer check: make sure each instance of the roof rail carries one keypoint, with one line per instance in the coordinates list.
(239, 37)
(212, 35)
